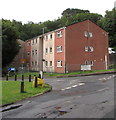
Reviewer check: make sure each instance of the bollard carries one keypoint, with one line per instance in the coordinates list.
(22, 87)
(35, 82)
(29, 78)
(22, 77)
(15, 77)
(7, 77)
(39, 76)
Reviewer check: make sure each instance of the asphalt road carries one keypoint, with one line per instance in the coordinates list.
(72, 97)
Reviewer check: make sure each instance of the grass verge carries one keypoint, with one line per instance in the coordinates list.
(77, 73)
(11, 91)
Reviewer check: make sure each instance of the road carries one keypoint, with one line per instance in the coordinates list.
(72, 97)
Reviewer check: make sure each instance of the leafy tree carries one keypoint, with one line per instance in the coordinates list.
(71, 12)
(108, 23)
(9, 42)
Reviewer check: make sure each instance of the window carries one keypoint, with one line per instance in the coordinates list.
(36, 40)
(46, 63)
(28, 53)
(90, 34)
(33, 41)
(32, 52)
(59, 48)
(32, 63)
(86, 49)
(50, 49)
(59, 63)
(35, 62)
(86, 62)
(50, 63)
(59, 34)
(28, 44)
(36, 52)
(50, 36)
(91, 49)
(46, 50)
(85, 34)
(46, 37)
(91, 63)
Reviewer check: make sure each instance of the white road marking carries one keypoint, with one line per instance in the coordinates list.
(104, 89)
(68, 88)
(60, 80)
(81, 83)
(107, 77)
(100, 79)
(73, 86)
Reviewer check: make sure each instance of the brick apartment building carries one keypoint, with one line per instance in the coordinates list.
(69, 49)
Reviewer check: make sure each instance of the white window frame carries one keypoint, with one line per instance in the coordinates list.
(59, 63)
(35, 52)
(50, 63)
(90, 34)
(33, 42)
(46, 63)
(32, 52)
(51, 36)
(35, 62)
(46, 37)
(91, 49)
(46, 50)
(28, 53)
(59, 34)
(86, 49)
(50, 49)
(86, 62)
(32, 63)
(91, 63)
(86, 34)
(59, 48)
(28, 44)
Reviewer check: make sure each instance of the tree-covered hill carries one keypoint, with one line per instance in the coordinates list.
(13, 30)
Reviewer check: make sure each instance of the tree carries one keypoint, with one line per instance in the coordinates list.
(108, 23)
(71, 12)
(9, 43)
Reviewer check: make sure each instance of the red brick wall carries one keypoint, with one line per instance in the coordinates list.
(76, 42)
(59, 55)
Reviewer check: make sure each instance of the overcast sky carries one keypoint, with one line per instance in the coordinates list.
(43, 10)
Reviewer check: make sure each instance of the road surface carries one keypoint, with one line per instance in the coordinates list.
(72, 97)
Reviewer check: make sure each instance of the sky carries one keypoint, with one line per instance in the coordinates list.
(43, 10)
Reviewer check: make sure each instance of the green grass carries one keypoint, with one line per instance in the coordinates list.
(11, 91)
(26, 75)
(77, 73)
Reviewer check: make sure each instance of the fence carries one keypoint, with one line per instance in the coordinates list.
(78, 67)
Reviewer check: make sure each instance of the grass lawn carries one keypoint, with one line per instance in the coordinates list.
(77, 73)
(11, 91)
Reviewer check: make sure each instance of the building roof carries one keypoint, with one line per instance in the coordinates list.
(65, 28)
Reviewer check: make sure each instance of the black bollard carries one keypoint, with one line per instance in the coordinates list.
(29, 78)
(22, 87)
(35, 82)
(22, 77)
(15, 77)
(7, 77)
